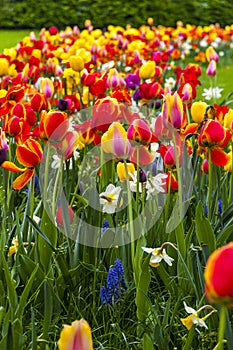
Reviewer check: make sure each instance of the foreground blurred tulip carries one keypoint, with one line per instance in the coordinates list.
(219, 276)
(76, 337)
(115, 141)
(53, 125)
(29, 154)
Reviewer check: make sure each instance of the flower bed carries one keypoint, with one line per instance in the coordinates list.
(116, 188)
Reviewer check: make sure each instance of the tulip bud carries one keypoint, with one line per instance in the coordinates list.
(198, 110)
(76, 63)
(76, 337)
(212, 68)
(147, 70)
(228, 120)
(121, 171)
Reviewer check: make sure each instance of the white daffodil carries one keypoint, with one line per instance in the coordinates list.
(170, 83)
(157, 255)
(109, 198)
(56, 163)
(133, 183)
(210, 93)
(193, 318)
(155, 185)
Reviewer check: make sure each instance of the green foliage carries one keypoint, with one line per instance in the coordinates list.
(41, 13)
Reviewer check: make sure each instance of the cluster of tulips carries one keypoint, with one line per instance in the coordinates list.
(120, 77)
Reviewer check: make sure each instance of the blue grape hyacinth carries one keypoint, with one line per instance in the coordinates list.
(116, 286)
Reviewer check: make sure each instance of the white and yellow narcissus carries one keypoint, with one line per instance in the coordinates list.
(109, 199)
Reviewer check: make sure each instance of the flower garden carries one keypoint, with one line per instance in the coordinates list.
(116, 189)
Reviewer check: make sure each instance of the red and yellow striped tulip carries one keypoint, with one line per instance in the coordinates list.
(53, 125)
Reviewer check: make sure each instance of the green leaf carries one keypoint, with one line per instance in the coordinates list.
(205, 233)
(23, 299)
(11, 291)
(147, 342)
(224, 235)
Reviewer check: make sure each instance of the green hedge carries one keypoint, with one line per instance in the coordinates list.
(36, 14)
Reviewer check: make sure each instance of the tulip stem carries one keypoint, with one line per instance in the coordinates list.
(231, 176)
(210, 185)
(138, 179)
(130, 213)
(221, 329)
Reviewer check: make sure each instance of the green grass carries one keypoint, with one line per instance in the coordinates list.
(9, 38)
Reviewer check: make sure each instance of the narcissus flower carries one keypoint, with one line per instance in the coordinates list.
(29, 154)
(76, 336)
(193, 318)
(157, 255)
(219, 276)
(109, 199)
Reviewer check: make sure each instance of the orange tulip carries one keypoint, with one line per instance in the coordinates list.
(29, 155)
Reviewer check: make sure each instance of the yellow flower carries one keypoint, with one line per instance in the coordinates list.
(76, 337)
(228, 166)
(76, 63)
(13, 249)
(4, 65)
(147, 70)
(228, 120)
(122, 173)
(193, 318)
(198, 110)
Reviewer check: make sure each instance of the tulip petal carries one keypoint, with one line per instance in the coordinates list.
(23, 179)
(219, 157)
(12, 167)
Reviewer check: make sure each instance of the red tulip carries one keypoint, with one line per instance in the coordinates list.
(219, 276)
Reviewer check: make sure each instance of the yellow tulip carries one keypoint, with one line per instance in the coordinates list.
(4, 65)
(147, 70)
(76, 63)
(121, 171)
(198, 110)
(228, 120)
(76, 337)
